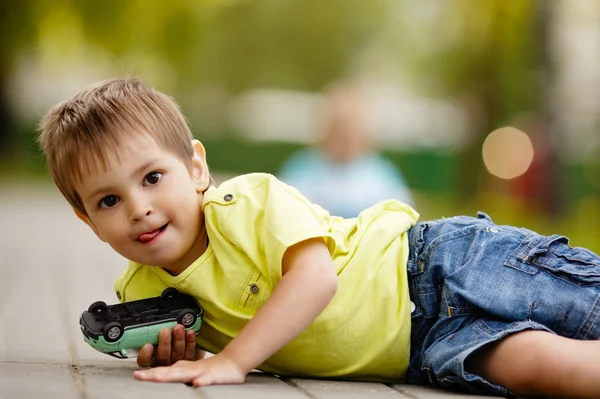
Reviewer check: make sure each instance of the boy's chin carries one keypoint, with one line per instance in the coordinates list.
(166, 264)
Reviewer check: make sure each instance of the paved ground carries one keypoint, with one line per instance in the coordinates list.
(51, 268)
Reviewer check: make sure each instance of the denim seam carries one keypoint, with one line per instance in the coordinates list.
(525, 250)
(547, 240)
(539, 261)
(591, 320)
(530, 243)
(553, 272)
(480, 324)
(452, 310)
(462, 310)
(448, 307)
(575, 259)
(540, 267)
(455, 236)
(571, 273)
(516, 267)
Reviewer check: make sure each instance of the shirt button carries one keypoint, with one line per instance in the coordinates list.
(119, 295)
(412, 307)
(228, 197)
(254, 288)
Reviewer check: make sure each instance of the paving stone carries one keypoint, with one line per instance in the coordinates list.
(257, 386)
(31, 380)
(32, 325)
(321, 389)
(120, 375)
(108, 366)
(425, 392)
(115, 386)
(52, 268)
(114, 379)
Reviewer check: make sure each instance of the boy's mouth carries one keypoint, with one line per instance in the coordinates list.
(151, 235)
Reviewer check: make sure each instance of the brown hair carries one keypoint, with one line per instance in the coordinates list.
(77, 134)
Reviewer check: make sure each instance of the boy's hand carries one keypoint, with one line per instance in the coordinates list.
(172, 347)
(214, 370)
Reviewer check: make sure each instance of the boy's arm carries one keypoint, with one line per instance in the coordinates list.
(308, 284)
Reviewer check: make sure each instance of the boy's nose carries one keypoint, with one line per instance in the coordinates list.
(139, 211)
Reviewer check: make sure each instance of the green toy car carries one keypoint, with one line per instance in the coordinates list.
(115, 329)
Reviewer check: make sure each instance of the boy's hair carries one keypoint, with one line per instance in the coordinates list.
(77, 134)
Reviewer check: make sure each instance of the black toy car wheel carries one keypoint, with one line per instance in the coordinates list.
(99, 308)
(112, 331)
(169, 293)
(187, 317)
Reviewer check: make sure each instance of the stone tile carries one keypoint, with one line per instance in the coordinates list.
(321, 389)
(31, 380)
(52, 268)
(119, 374)
(257, 386)
(425, 392)
(102, 386)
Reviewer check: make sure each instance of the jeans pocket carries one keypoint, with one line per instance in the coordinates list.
(553, 254)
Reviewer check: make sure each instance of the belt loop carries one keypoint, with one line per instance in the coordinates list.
(483, 215)
(416, 241)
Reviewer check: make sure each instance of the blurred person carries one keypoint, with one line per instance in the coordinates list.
(342, 172)
(287, 288)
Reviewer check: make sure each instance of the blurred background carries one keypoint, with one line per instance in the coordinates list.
(468, 105)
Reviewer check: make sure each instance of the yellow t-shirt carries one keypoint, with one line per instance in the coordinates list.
(363, 334)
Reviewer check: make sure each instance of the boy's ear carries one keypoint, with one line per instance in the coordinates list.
(87, 221)
(199, 167)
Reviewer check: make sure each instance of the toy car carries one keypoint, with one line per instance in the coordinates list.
(116, 329)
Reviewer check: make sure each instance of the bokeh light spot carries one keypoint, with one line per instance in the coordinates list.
(507, 152)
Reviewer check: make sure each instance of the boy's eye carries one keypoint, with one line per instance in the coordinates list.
(152, 178)
(109, 201)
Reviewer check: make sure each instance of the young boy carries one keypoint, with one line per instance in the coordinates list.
(288, 288)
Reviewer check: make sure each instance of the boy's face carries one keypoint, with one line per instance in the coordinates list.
(147, 205)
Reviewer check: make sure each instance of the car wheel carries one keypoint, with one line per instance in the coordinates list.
(98, 308)
(187, 317)
(112, 331)
(169, 293)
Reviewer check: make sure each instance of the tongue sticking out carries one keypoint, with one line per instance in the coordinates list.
(147, 237)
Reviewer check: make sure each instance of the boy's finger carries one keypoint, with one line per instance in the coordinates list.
(190, 345)
(167, 374)
(145, 357)
(178, 345)
(163, 353)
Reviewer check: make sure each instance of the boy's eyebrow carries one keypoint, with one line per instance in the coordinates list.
(145, 166)
(140, 169)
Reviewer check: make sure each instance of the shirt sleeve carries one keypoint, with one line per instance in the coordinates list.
(289, 218)
(270, 217)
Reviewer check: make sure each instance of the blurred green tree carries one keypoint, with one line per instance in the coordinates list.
(14, 34)
(233, 44)
(491, 56)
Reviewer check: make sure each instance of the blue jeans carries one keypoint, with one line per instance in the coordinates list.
(474, 282)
